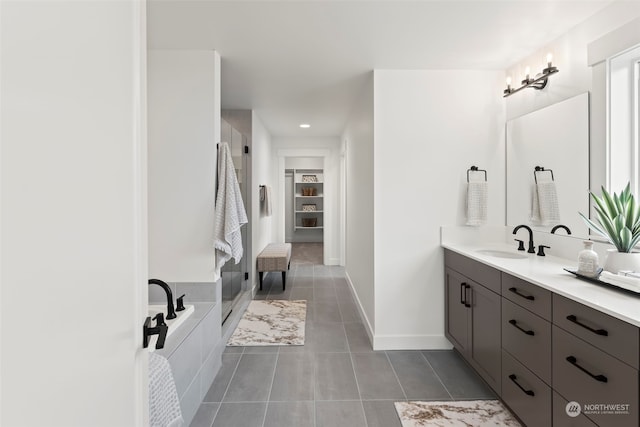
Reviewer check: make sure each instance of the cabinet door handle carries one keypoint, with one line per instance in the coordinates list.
(520, 294)
(574, 319)
(466, 301)
(462, 292)
(513, 378)
(514, 323)
(574, 362)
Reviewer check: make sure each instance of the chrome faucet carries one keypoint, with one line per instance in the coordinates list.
(554, 229)
(532, 247)
(171, 313)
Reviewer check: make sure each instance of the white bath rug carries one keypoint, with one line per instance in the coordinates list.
(271, 322)
(468, 413)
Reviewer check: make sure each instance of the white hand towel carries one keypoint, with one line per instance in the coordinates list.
(267, 200)
(544, 205)
(477, 192)
(548, 200)
(164, 405)
(625, 282)
(230, 214)
(535, 205)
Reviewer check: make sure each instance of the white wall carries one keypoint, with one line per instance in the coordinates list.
(286, 147)
(184, 127)
(304, 163)
(576, 76)
(262, 174)
(430, 127)
(359, 237)
(73, 214)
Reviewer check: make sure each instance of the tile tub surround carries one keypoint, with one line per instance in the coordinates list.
(546, 272)
(194, 353)
(336, 372)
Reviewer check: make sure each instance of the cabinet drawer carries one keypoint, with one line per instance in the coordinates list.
(527, 396)
(527, 295)
(589, 376)
(479, 272)
(527, 337)
(618, 338)
(561, 417)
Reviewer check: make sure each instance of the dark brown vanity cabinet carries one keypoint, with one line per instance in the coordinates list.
(595, 363)
(526, 351)
(541, 352)
(473, 315)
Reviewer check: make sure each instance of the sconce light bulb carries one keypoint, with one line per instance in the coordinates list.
(508, 81)
(549, 59)
(527, 71)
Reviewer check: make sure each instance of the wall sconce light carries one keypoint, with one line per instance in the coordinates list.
(539, 82)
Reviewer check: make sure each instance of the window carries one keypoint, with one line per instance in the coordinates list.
(623, 149)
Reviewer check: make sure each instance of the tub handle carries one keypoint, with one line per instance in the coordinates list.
(160, 329)
(180, 303)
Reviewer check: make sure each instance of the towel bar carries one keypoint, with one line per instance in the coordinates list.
(541, 169)
(475, 169)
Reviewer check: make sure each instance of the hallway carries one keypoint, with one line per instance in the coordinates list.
(335, 378)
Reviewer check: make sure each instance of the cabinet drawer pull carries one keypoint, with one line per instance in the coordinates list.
(527, 392)
(462, 285)
(466, 301)
(574, 362)
(514, 323)
(520, 294)
(574, 319)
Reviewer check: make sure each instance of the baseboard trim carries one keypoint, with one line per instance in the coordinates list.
(363, 316)
(397, 342)
(333, 261)
(411, 342)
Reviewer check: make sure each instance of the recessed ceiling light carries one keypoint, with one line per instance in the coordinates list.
(305, 125)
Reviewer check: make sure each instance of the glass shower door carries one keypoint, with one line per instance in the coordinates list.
(232, 273)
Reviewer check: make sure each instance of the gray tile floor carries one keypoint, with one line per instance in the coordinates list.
(335, 379)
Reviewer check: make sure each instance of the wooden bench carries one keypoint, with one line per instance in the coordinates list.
(275, 257)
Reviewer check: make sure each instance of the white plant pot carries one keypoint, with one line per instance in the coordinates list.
(620, 261)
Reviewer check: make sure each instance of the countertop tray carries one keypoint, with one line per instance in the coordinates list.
(601, 283)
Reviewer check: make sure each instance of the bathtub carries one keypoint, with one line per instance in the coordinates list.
(173, 324)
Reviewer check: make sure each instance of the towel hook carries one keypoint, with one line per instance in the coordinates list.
(541, 169)
(475, 169)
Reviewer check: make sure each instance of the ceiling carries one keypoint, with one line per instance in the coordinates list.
(306, 61)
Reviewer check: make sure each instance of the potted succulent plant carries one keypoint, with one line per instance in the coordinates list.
(618, 220)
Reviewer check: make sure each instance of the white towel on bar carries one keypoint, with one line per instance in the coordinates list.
(545, 209)
(230, 214)
(164, 405)
(267, 201)
(477, 192)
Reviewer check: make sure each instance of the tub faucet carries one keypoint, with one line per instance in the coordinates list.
(554, 229)
(532, 247)
(171, 312)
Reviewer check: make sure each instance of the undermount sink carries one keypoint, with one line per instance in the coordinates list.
(501, 254)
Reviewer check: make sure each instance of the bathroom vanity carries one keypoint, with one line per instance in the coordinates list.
(541, 338)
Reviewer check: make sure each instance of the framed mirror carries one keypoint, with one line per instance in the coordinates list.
(555, 138)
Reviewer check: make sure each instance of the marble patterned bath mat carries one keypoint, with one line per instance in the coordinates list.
(468, 413)
(271, 322)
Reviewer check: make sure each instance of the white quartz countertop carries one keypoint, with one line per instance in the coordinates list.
(547, 272)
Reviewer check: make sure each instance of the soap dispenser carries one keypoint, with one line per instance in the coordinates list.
(588, 260)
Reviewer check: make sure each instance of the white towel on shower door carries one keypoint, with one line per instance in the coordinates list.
(230, 214)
